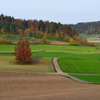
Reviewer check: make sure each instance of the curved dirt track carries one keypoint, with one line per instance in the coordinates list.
(24, 86)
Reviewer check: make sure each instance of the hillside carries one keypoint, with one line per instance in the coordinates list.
(88, 28)
(37, 28)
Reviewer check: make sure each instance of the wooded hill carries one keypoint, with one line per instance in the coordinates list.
(37, 28)
(88, 27)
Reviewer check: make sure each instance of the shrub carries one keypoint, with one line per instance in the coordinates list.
(94, 45)
(23, 52)
(5, 41)
(44, 39)
(74, 43)
(65, 38)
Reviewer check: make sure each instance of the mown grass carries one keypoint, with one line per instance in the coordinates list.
(89, 78)
(61, 54)
(51, 48)
(84, 66)
(40, 65)
(68, 55)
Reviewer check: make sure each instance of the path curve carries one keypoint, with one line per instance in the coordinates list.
(59, 71)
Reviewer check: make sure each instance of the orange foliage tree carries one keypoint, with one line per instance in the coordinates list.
(23, 52)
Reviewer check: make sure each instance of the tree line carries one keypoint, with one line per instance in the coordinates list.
(37, 28)
(41, 29)
(88, 27)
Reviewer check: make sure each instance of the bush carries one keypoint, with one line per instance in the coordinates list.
(74, 43)
(5, 41)
(44, 39)
(65, 38)
(23, 52)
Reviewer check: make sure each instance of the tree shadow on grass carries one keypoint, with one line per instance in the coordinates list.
(35, 60)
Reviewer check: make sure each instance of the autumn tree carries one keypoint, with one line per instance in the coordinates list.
(23, 52)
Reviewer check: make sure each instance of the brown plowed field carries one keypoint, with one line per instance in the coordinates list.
(24, 86)
(94, 41)
(59, 43)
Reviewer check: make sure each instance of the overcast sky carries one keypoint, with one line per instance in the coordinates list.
(64, 11)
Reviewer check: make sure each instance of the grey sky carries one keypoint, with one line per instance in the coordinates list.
(64, 11)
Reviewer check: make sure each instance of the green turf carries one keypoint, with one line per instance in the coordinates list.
(51, 48)
(86, 63)
(68, 55)
(89, 78)
(62, 54)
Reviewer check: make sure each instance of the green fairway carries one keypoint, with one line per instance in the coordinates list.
(89, 78)
(40, 65)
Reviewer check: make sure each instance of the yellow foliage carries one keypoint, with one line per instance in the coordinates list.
(4, 41)
(2, 30)
(44, 39)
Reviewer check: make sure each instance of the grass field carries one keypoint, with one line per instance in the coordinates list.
(94, 79)
(51, 48)
(40, 65)
(82, 64)
(93, 39)
(76, 59)
(88, 36)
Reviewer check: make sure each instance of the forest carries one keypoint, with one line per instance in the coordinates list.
(41, 29)
(37, 28)
(88, 27)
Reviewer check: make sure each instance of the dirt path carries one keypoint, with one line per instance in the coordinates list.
(59, 71)
(22, 86)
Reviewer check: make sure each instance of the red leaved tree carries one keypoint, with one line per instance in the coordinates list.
(23, 52)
